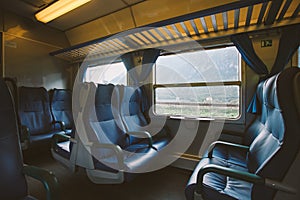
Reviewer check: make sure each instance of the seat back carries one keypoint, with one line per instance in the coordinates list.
(274, 149)
(108, 116)
(133, 113)
(13, 88)
(257, 124)
(130, 109)
(34, 109)
(12, 182)
(61, 106)
(101, 123)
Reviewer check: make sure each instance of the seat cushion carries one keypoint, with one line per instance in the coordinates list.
(217, 186)
(135, 161)
(44, 136)
(231, 154)
(135, 119)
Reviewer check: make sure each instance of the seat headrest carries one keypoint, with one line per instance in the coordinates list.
(256, 107)
(7, 112)
(32, 94)
(104, 94)
(270, 98)
(62, 95)
(286, 98)
(259, 92)
(289, 80)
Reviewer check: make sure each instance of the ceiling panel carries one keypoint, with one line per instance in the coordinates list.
(131, 2)
(88, 12)
(108, 25)
(19, 7)
(38, 3)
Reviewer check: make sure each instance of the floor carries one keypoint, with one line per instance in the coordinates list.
(165, 184)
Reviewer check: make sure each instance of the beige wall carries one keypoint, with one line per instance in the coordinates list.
(27, 45)
(30, 64)
(267, 54)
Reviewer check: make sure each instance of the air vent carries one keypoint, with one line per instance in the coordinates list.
(38, 3)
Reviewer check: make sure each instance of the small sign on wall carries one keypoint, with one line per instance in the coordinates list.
(10, 44)
(266, 43)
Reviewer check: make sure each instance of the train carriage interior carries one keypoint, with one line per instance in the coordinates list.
(148, 99)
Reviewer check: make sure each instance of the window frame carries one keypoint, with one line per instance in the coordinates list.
(240, 83)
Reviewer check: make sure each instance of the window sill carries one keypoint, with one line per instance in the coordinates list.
(191, 118)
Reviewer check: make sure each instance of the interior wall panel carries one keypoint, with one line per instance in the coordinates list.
(36, 31)
(26, 53)
(34, 68)
(104, 26)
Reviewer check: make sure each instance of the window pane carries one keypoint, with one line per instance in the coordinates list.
(209, 101)
(214, 65)
(115, 73)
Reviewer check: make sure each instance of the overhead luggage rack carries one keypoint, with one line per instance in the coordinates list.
(225, 20)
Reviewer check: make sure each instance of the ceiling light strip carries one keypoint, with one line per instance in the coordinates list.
(58, 9)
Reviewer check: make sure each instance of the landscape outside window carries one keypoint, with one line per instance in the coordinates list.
(203, 83)
(114, 73)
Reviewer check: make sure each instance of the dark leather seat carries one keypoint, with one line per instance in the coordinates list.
(12, 170)
(101, 143)
(64, 147)
(230, 153)
(35, 116)
(108, 133)
(61, 108)
(232, 171)
(133, 115)
(61, 149)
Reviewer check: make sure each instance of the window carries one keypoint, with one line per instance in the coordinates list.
(205, 83)
(115, 73)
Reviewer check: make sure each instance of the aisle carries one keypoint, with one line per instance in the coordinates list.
(165, 184)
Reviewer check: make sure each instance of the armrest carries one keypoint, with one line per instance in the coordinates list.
(141, 134)
(241, 175)
(61, 123)
(46, 177)
(214, 144)
(116, 148)
(24, 137)
(56, 138)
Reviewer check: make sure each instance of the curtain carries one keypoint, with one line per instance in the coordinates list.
(254, 107)
(289, 43)
(128, 60)
(245, 47)
(148, 60)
